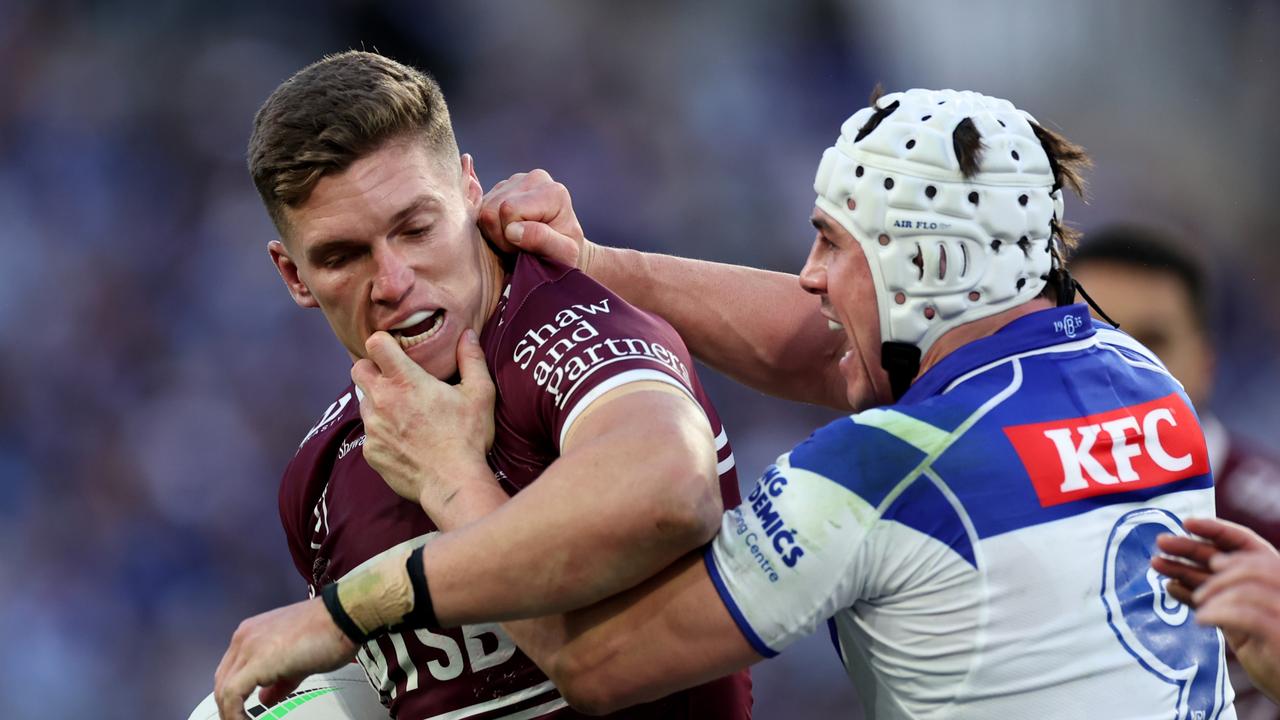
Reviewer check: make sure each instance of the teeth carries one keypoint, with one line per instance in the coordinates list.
(833, 325)
(414, 319)
(408, 342)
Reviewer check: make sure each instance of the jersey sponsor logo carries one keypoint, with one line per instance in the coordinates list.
(1140, 446)
(333, 412)
(570, 347)
(771, 529)
(349, 445)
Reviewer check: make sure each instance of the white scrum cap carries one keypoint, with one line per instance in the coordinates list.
(944, 249)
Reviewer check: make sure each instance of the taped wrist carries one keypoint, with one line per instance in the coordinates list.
(424, 611)
(371, 600)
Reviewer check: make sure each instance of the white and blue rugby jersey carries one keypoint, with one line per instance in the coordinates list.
(982, 547)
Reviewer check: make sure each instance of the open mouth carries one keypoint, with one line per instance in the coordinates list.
(418, 327)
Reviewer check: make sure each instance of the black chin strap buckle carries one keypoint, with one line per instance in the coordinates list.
(902, 362)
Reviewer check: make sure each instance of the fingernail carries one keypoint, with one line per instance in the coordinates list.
(515, 231)
(472, 337)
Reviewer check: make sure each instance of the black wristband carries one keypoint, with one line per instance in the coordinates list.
(339, 614)
(424, 612)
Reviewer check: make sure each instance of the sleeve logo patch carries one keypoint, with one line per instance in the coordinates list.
(1140, 446)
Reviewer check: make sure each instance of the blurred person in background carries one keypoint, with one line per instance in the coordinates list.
(953, 530)
(1150, 283)
(356, 161)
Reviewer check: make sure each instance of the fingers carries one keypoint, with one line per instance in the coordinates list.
(1186, 548)
(535, 198)
(1225, 535)
(390, 358)
(1239, 609)
(514, 192)
(231, 688)
(230, 707)
(1180, 592)
(1189, 576)
(1240, 568)
(279, 690)
(543, 240)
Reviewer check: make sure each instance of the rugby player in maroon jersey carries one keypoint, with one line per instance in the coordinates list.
(357, 164)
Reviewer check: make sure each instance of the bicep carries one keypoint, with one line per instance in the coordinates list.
(634, 407)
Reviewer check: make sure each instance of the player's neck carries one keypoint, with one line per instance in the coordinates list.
(976, 330)
(493, 279)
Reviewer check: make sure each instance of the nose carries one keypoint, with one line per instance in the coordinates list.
(813, 276)
(393, 278)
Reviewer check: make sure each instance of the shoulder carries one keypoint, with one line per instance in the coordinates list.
(565, 334)
(308, 469)
(343, 407)
(539, 279)
(862, 453)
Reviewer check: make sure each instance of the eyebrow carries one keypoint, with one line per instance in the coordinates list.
(317, 252)
(418, 204)
(820, 224)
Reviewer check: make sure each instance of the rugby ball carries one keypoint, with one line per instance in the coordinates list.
(343, 694)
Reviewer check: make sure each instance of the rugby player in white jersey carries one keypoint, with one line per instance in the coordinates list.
(979, 534)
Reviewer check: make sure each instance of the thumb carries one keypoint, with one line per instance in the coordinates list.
(543, 240)
(386, 353)
(472, 367)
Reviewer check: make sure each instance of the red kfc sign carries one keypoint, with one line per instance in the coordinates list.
(1139, 446)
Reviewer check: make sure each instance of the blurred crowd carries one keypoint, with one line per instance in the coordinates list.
(157, 377)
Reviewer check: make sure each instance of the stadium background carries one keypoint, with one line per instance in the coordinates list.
(157, 377)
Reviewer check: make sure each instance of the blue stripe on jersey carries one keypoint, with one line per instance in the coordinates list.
(734, 611)
(923, 507)
(865, 460)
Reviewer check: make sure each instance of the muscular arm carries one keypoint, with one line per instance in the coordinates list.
(758, 327)
(557, 544)
(634, 489)
(667, 634)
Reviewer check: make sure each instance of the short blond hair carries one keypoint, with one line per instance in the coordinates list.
(335, 111)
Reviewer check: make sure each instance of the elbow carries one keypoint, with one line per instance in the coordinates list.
(690, 514)
(581, 683)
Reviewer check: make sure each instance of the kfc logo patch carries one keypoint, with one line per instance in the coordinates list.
(1135, 447)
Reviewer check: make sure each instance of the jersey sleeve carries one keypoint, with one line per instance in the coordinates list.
(792, 554)
(570, 342)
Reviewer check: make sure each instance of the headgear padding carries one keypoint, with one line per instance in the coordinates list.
(983, 241)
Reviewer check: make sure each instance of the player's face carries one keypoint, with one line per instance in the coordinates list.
(391, 244)
(837, 272)
(1155, 308)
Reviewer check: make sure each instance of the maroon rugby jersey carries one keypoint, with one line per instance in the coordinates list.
(556, 341)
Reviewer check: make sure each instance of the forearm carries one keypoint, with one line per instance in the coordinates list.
(602, 518)
(758, 327)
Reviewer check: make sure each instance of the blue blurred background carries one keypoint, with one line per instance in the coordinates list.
(157, 377)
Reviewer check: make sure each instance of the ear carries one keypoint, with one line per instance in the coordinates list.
(471, 189)
(289, 273)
